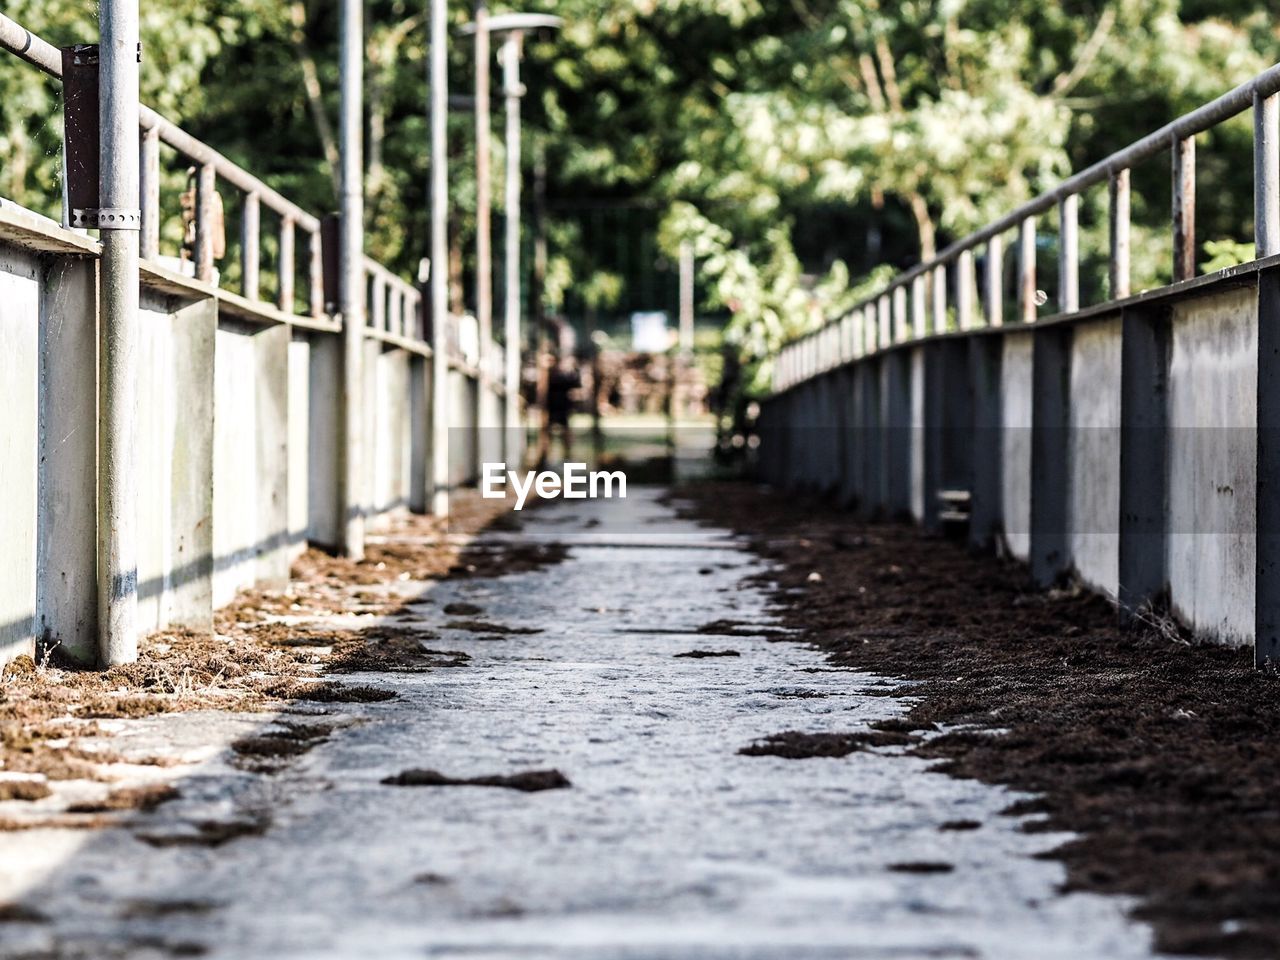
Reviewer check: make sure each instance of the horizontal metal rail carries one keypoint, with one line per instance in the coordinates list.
(395, 302)
(40, 53)
(871, 325)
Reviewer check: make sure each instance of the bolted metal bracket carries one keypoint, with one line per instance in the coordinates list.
(107, 218)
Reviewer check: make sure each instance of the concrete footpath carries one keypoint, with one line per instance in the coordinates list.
(667, 844)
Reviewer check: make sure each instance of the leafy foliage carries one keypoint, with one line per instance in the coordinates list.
(796, 144)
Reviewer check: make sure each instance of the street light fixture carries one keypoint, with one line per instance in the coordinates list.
(514, 26)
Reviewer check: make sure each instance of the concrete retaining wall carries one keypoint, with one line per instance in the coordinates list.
(238, 440)
(1120, 446)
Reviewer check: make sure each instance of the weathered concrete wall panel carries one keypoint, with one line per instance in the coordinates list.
(1094, 454)
(235, 464)
(20, 280)
(462, 428)
(67, 520)
(1213, 376)
(174, 458)
(324, 386)
(271, 358)
(391, 435)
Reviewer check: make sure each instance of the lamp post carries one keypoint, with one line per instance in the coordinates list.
(513, 27)
(118, 397)
(352, 291)
(439, 277)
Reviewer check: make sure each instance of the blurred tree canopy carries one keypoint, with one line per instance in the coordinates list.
(797, 144)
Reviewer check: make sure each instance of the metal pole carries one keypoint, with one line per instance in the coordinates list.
(352, 300)
(686, 298)
(484, 254)
(118, 350)
(1069, 254)
(1184, 209)
(513, 90)
(1266, 175)
(1118, 190)
(439, 498)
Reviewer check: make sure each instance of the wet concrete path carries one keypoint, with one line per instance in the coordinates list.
(668, 844)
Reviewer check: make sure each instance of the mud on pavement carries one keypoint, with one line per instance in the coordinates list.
(1160, 753)
(56, 722)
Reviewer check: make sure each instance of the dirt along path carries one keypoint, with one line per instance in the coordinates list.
(589, 738)
(1158, 752)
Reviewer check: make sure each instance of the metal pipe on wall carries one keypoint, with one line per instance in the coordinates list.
(118, 349)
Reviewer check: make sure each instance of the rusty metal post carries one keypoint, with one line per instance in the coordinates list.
(1118, 190)
(249, 259)
(1069, 253)
(351, 268)
(119, 335)
(1184, 209)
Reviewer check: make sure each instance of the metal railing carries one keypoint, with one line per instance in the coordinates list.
(914, 305)
(394, 304)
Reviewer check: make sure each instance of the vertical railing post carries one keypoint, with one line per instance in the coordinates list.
(993, 287)
(901, 330)
(919, 306)
(149, 243)
(1184, 209)
(118, 372)
(249, 259)
(284, 296)
(964, 289)
(378, 302)
(1266, 175)
(1027, 269)
(884, 322)
(206, 185)
(1069, 253)
(940, 298)
(1118, 262)
(315, 274)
